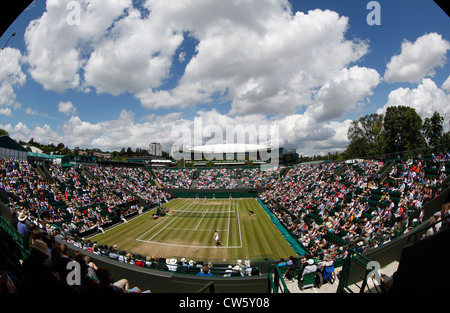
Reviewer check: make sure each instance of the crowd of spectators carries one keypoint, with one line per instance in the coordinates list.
(257, 178)
(353, 205)
(81, 199)
(174, 178)
(49, 268)
(232, 178)
(222, 178)
(137, 180)
(181, 265)
(325, 205)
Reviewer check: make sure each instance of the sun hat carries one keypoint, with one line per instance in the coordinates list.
(22, 217)
(40, 246)
(173, 261)
(310, 261)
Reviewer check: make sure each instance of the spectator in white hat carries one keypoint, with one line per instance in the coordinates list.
(310, 267)
(22, 226)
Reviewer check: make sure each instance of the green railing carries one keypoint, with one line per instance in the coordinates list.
(276, 280)
(16, 236)
(356, 273)
(208, 287)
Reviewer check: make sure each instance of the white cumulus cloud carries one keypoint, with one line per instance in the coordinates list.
(256, 55)
(11, 77)
(56, 49)
(417, 60)
(66, 108)
(426, 99)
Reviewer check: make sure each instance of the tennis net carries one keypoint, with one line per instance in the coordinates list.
(213, 214)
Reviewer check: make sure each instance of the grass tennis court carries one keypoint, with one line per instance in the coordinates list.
(187, 231)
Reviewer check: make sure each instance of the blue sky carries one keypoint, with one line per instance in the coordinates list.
(127, 73)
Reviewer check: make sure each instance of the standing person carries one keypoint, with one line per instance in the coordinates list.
(22, 225)
(216, 239)
(14, 219)
(39, 276)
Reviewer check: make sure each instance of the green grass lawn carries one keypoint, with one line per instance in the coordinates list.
(188, 232)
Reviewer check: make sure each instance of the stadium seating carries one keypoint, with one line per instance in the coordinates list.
(322, 206)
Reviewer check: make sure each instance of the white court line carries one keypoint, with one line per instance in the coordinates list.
(190, 229)
(239, 222)
(187, 246)
(190, 246)
(159, 224)
(229, 218)
(201, 219)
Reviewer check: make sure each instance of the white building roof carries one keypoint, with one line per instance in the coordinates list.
(230, 148)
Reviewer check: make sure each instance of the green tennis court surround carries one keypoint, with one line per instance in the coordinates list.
(187, 231)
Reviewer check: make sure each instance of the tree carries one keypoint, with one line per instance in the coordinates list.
(357, 148)
(433, 129)
(445, 142)
(60, 146)
(402, 129)
(366, 136)
(3, 132)
(33, 143)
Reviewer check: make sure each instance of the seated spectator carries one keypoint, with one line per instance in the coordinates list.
(204, 272)
(282, 262)
(309, 268)
(229, 270)
(107, 286)
(236, 272)
(88, 280)
(445, 214)
(172, 265)
(293, 265)
(435, 227)
(327, 261)
(255, 272)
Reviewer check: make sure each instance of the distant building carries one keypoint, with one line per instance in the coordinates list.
(9, 148)
(102, 155)
(155, 149)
